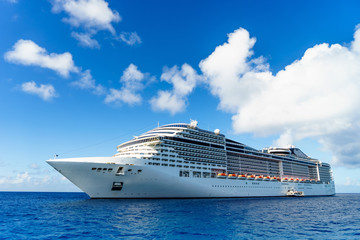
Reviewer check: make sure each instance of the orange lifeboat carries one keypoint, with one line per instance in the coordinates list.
(232, 176)
(259, 178)
(250, 177)
(267, 178)
(242, 177)
(285, 179)
(273, 179)
(221, 175)
(296, 180)
(291, 180)
(302, 180)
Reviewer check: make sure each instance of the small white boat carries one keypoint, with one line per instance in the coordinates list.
(294, 193)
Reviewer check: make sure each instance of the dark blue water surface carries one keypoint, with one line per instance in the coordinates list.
(26, 215)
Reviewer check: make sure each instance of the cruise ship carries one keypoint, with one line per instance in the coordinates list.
(183, 161)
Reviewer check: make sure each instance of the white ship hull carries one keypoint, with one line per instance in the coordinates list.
(146, 181)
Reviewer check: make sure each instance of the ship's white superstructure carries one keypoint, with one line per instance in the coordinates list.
(184, 161)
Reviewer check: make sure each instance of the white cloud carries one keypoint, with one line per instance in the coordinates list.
(231, 74)
(88, 82)
(168, 101)
(133, 81)
(44, 91)
(130, 38)
(184, 80)
(93, 15)
(314, 97)
(34, 166)
(19, 178)
(123, 95)
(27, 52)
(85, 40)
(352, 182)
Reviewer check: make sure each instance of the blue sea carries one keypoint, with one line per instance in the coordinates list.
(26, 215)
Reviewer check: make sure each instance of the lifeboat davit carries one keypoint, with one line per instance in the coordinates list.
(232, 176)
(250, 177)
(285, 179)
(259, 178)
(221, 175)
(242, 177)
(267, 178)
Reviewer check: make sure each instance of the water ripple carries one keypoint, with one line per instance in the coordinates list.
(74, 216)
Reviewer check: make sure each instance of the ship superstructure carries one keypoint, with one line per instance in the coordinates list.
(181, 160)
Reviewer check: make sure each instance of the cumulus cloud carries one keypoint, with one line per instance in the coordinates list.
(88, 82)
(85, 40)
(183, 80)
(26, 52)
(19, 178)
(232, 75)
(44, 91)
(130, 38)
(133, 82)
(316, 96)
(93, 15)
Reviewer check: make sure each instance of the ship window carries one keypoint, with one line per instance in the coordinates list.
(99, 169)
(110, 169)
(120, 170)
(164, 164)
(179, 165)
(206, 175)
(150, 163)
(94, 168)
(184, 173)
(104, 169)
(129, 170)
(139, 171)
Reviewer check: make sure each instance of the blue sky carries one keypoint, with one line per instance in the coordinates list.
(77, 78)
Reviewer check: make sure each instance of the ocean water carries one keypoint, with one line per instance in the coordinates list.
(25, 215)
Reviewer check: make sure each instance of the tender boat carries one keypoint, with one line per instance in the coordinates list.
(221, 175)
(294, 193)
